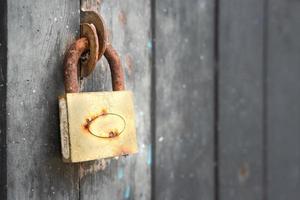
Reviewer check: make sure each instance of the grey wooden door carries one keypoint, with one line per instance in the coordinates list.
(216, 86)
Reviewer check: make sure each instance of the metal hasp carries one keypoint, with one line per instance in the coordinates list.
(95, 125)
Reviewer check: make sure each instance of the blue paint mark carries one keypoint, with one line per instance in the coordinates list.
(120, 173)
(127, 192)
(149, 44)
(149, 158)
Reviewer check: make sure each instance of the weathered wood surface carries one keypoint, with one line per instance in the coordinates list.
(283, 105)
(255, 102)
(3, 78)
(240, 99)
(184, 103)
(38, 34)
(128, 22)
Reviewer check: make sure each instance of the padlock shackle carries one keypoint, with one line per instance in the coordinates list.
(117, 74)
(71, 66)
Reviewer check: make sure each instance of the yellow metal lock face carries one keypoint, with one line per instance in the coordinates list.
(97, 125)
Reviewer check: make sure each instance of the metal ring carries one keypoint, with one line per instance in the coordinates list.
(71, 64)
(89, 31)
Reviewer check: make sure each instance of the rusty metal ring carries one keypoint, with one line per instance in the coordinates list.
(105, 48)
(116, 69)
(71, 66)
(92, 17)
(89, 31)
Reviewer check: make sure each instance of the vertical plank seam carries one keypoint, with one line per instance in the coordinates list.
(265, 100)
(77, 168)
(3, 98)
(153, 97)
(216, 99)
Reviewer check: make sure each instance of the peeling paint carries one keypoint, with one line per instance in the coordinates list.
(120, 173)
(127, 192)
(149, 156)
(149, 44)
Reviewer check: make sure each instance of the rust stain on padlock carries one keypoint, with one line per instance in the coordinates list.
(105, 125)
(123, 151)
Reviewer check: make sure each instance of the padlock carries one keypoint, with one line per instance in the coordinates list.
(95, 125)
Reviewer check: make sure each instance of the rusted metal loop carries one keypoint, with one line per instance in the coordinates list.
(93, 17)
(71, 66)
(89, 31)
(117, 74)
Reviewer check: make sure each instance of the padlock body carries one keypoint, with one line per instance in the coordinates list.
(97, 125)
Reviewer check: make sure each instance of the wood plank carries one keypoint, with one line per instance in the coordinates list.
(283, 105)
(240, 99)
(128, 22)
(184, 57)
(38, 34)
(3, 92)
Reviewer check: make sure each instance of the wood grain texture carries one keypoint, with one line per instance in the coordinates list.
(38, 34)
(283, 105)
(128, 22)
(240, 99)
(3, 92)
(184, 57)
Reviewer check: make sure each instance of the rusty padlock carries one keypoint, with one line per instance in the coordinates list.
(95, 125)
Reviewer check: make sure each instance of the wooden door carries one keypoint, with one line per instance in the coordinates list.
(216, 86)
